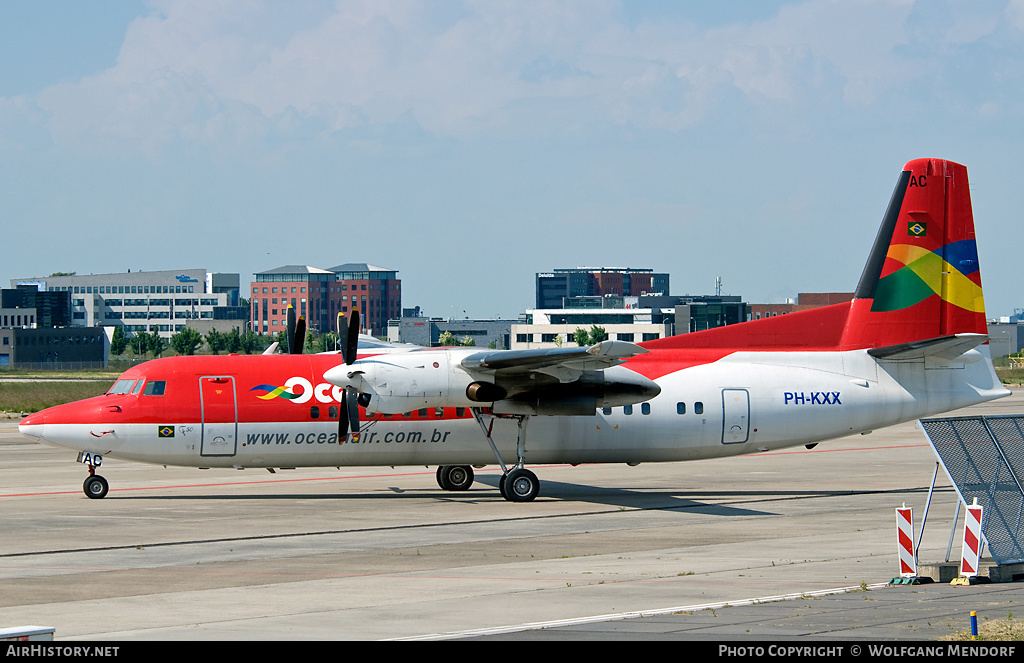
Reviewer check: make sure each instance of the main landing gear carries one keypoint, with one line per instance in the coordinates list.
(455, 477)
(518, 484)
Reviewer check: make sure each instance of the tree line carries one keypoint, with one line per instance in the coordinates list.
(189, 341)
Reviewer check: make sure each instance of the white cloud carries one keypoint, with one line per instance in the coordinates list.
(232, 71)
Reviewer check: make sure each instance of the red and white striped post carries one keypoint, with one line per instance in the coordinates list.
(905, 541)
(972, 541)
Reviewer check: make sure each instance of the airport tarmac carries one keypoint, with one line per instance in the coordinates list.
(606, 551)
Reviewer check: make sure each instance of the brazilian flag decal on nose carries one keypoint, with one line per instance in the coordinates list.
(949, 272)
(165, 431)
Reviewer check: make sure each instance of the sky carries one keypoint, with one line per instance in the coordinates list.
(470, 144)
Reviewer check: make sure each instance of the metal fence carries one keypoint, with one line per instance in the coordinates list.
(55, 366)
(984, 459)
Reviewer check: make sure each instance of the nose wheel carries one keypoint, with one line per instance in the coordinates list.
(95, 487)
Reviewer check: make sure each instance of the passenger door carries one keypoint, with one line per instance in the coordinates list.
(219, 414)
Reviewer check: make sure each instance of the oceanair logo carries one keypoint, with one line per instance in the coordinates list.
(324, 392)
(949, 272)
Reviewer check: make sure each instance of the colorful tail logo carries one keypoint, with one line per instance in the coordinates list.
(950, 271)
(274, 392)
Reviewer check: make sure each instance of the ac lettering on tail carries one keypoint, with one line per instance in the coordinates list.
(918, 180)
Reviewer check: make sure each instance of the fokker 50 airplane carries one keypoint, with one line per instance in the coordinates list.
(912, 343)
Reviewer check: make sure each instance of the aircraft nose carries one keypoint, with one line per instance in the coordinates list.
(33, 425)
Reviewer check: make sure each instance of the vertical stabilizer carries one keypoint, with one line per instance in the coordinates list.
(922, 279)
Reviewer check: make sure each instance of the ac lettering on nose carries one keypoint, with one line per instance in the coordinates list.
(812, 398)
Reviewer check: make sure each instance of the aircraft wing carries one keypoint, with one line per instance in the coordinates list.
(565, 364)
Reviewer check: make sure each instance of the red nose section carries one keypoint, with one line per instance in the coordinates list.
(32, 425)
(34, 419)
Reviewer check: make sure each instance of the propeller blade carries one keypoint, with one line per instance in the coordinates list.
(291, 329)
(343, 338)
(352, 341)
(353, 411)
(343, 417)
(300, 336)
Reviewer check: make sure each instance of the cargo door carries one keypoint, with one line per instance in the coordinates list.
(220, 415)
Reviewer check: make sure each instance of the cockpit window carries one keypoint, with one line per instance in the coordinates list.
(121, 387)
(154, 388)
(138, 386)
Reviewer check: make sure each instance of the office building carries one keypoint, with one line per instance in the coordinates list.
(427, 332)
(555, 287)
(321, 294)
(161, 302)
(633, 319)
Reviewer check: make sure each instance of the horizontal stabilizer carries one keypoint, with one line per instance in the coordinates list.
(943, 347)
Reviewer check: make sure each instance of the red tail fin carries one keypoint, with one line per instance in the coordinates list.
(922, 278)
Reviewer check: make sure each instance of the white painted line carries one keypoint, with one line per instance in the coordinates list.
(499, 630)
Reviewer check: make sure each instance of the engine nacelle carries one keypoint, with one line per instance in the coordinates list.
(404, 382)
(485, 392)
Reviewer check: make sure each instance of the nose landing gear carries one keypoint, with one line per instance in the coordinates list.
(95, 486)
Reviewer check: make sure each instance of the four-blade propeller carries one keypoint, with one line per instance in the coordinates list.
(351, 399)
(348, 339)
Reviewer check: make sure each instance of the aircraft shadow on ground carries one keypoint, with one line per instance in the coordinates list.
(485, 490)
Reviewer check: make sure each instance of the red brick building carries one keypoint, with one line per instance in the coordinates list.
(320, 294)
(804, 301)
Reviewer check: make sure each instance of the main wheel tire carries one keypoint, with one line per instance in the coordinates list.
(460, 477)
(521, 485)
(95, 487)
(455, 477)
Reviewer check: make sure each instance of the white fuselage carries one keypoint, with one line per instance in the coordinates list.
(743, 403)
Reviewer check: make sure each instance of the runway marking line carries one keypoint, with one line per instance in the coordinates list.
(577, 621)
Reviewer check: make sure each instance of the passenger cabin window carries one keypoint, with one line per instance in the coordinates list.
(121, 387)
(606, 410)
(698, 408)
(645, 408)
(154, 388)
(314, 412)
(627, 409)
(680, 408)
